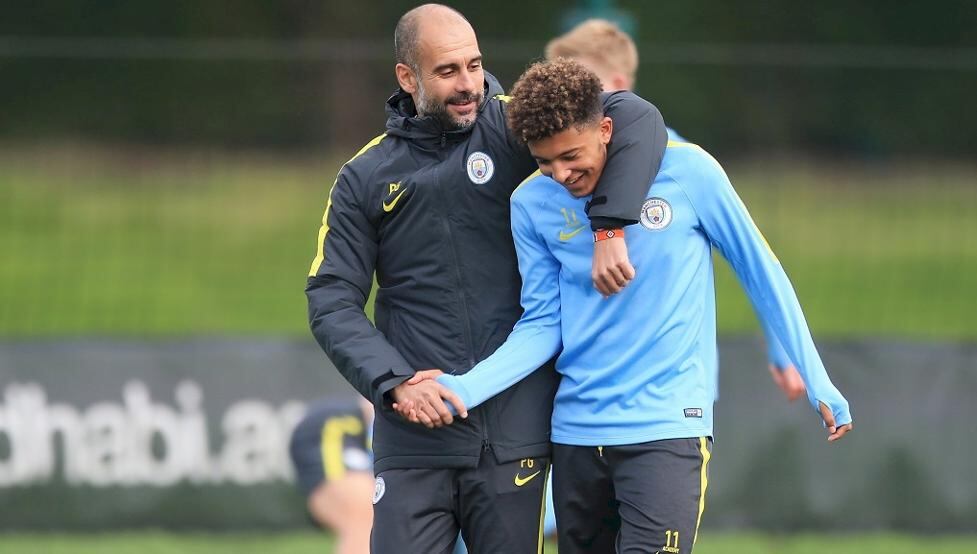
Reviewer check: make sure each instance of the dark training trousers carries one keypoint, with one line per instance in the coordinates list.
(639, 498)
(497, 507)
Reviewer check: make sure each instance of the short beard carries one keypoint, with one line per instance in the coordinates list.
(431, 107)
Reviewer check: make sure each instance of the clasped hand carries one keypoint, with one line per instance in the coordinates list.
(421, 400)
(611, 269)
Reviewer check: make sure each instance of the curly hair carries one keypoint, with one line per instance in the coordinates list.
(550, 97)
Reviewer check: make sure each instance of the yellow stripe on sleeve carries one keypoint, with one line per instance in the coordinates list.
(530, 177)
(320, 254)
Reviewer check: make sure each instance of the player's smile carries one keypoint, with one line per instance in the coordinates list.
(463, 105)
(578, 185)
(574, 157)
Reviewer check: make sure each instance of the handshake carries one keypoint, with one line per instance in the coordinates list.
(421, 399)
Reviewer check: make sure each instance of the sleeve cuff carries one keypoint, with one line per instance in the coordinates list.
(381, 400)
(453, 383)
(602, 222)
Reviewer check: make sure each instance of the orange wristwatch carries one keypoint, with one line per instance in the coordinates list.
(604, 234)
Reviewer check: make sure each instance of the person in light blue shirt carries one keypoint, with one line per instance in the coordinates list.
(602, 47)
(632, 422)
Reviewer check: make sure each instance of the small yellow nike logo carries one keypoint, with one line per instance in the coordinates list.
(520, 481)
(567, 235)
(389, 206)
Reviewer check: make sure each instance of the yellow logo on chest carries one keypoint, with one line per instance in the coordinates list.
(389, 206)
(573, 226)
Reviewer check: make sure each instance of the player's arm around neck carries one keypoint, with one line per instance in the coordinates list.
(634, 156)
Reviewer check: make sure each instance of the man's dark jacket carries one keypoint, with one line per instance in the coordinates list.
(411, 207)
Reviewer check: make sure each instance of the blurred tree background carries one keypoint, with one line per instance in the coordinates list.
(872, 78)
(168, 159)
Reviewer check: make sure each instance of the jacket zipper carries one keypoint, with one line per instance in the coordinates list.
(466, 323)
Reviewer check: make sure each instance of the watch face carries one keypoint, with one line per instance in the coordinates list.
(604, 234)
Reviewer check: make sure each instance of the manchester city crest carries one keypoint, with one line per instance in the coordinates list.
(381, 487)
(480, 167)
(656, 214)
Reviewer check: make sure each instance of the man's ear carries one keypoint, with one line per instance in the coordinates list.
(606, 129)
(406, 78)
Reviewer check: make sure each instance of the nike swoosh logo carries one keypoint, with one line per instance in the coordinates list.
(565, 236)
(520, 481)
(389, 206)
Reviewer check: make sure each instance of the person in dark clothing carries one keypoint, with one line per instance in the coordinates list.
(333, 461)
(425, 208)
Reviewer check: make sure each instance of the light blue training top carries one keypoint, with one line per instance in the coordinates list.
(641, 365)
(776, 355)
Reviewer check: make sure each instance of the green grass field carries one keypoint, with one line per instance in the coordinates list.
(95, 242)
(134, 243)
(312, 543)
